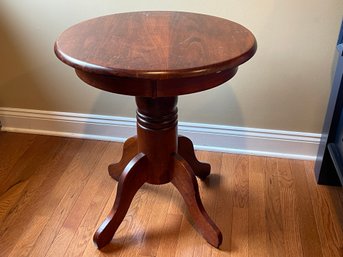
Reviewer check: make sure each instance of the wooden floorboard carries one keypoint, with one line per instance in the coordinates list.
(55, 192)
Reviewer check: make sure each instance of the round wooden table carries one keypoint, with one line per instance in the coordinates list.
(156, 56)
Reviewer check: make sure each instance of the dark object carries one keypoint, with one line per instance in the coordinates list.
(329, 164)
(156, 56)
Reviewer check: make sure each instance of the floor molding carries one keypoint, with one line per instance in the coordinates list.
(209, 137)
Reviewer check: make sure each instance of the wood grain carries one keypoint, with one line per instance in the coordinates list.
(130, 149)
(275, 235)
(61, 194)
(208, 189)
(288, 203)
(158, 161)
(240, 212)
(12, 146)
(21, 170)
(328, 211)
(155, 45)
(224, 201)
(277, 197)
(82, 199)
(186, 150)
(155, 54)
(257, 230)
(184, 180)
(22, 211)
(307, 222)
(132, 178)
(155, 228)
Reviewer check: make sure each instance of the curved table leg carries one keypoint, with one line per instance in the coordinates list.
(132, 178)
(130, 149)
(186, 150)
(184, 180)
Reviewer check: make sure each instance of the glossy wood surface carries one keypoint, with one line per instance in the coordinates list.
(156, 45)
(155, 53)
(57, 193)
(155, 157)
(156, 56)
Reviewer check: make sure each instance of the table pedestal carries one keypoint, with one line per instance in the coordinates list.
(158, 156)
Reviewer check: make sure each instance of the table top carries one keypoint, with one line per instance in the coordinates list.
(156, 45)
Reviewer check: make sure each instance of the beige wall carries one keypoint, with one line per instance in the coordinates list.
(285, 86)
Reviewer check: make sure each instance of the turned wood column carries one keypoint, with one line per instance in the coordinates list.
(156, 56)
(157, 135)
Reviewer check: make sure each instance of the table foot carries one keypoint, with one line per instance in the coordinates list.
(130, 149)
(186, 150)
(131, 179)
(184, 180)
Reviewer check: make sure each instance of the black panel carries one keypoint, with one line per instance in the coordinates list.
(329, 164)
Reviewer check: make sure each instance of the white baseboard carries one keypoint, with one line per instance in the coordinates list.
(209, 137)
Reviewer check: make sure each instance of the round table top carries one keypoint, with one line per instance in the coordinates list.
(155, 45)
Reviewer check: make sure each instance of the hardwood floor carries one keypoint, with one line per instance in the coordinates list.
(55, 192)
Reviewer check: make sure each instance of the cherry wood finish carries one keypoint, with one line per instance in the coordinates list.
(186, 150)
(155, 53)
(132, 178)
(184, 180)
(130, 149)
(156, 56)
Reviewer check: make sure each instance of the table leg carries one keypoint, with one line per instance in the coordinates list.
(186, 150)
(158, 156)
(130, 149)
(132, 178)
(184, 180)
